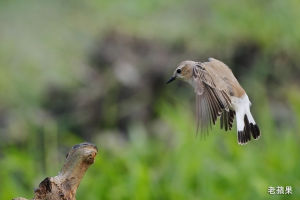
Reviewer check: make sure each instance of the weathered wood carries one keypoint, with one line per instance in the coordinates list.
(65, 184)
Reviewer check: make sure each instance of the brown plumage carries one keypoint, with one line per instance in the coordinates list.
(218, 94)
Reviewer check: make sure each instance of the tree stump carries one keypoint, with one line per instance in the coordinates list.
(65, 184)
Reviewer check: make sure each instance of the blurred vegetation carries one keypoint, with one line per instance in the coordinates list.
(73, 71)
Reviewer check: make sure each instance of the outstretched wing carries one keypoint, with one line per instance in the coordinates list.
(226, 119)
(211, 101)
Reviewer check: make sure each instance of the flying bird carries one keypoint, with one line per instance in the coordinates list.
(218, 95)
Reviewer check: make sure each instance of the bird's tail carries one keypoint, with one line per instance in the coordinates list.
(246, 127)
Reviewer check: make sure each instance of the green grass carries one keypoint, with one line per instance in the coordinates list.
(175, 164)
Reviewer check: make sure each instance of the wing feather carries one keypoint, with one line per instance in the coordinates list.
(227, 117)
(223, 77)
(221, 121)
(212, 109)
(211, 102)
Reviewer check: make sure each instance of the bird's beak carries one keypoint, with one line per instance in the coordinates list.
(171, 79)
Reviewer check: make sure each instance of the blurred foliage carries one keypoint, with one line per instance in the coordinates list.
(50, 85)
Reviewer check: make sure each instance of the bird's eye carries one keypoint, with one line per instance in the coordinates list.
(178, 71)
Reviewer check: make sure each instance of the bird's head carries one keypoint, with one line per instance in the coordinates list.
(184, 71)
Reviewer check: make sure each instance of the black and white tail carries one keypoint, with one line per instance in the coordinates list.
(246, 126)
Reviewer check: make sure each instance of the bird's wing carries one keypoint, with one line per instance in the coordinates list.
(226, 119)
(211, 100)
(223, 77)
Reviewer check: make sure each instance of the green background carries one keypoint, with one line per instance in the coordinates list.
(50, 44)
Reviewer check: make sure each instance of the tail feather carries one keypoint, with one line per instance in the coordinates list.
(255, 131)
(249, 129)
(246, 125)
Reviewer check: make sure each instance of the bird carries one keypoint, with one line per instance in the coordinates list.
(218, 95)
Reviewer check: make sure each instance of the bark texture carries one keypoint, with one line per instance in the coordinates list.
(65, 184)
